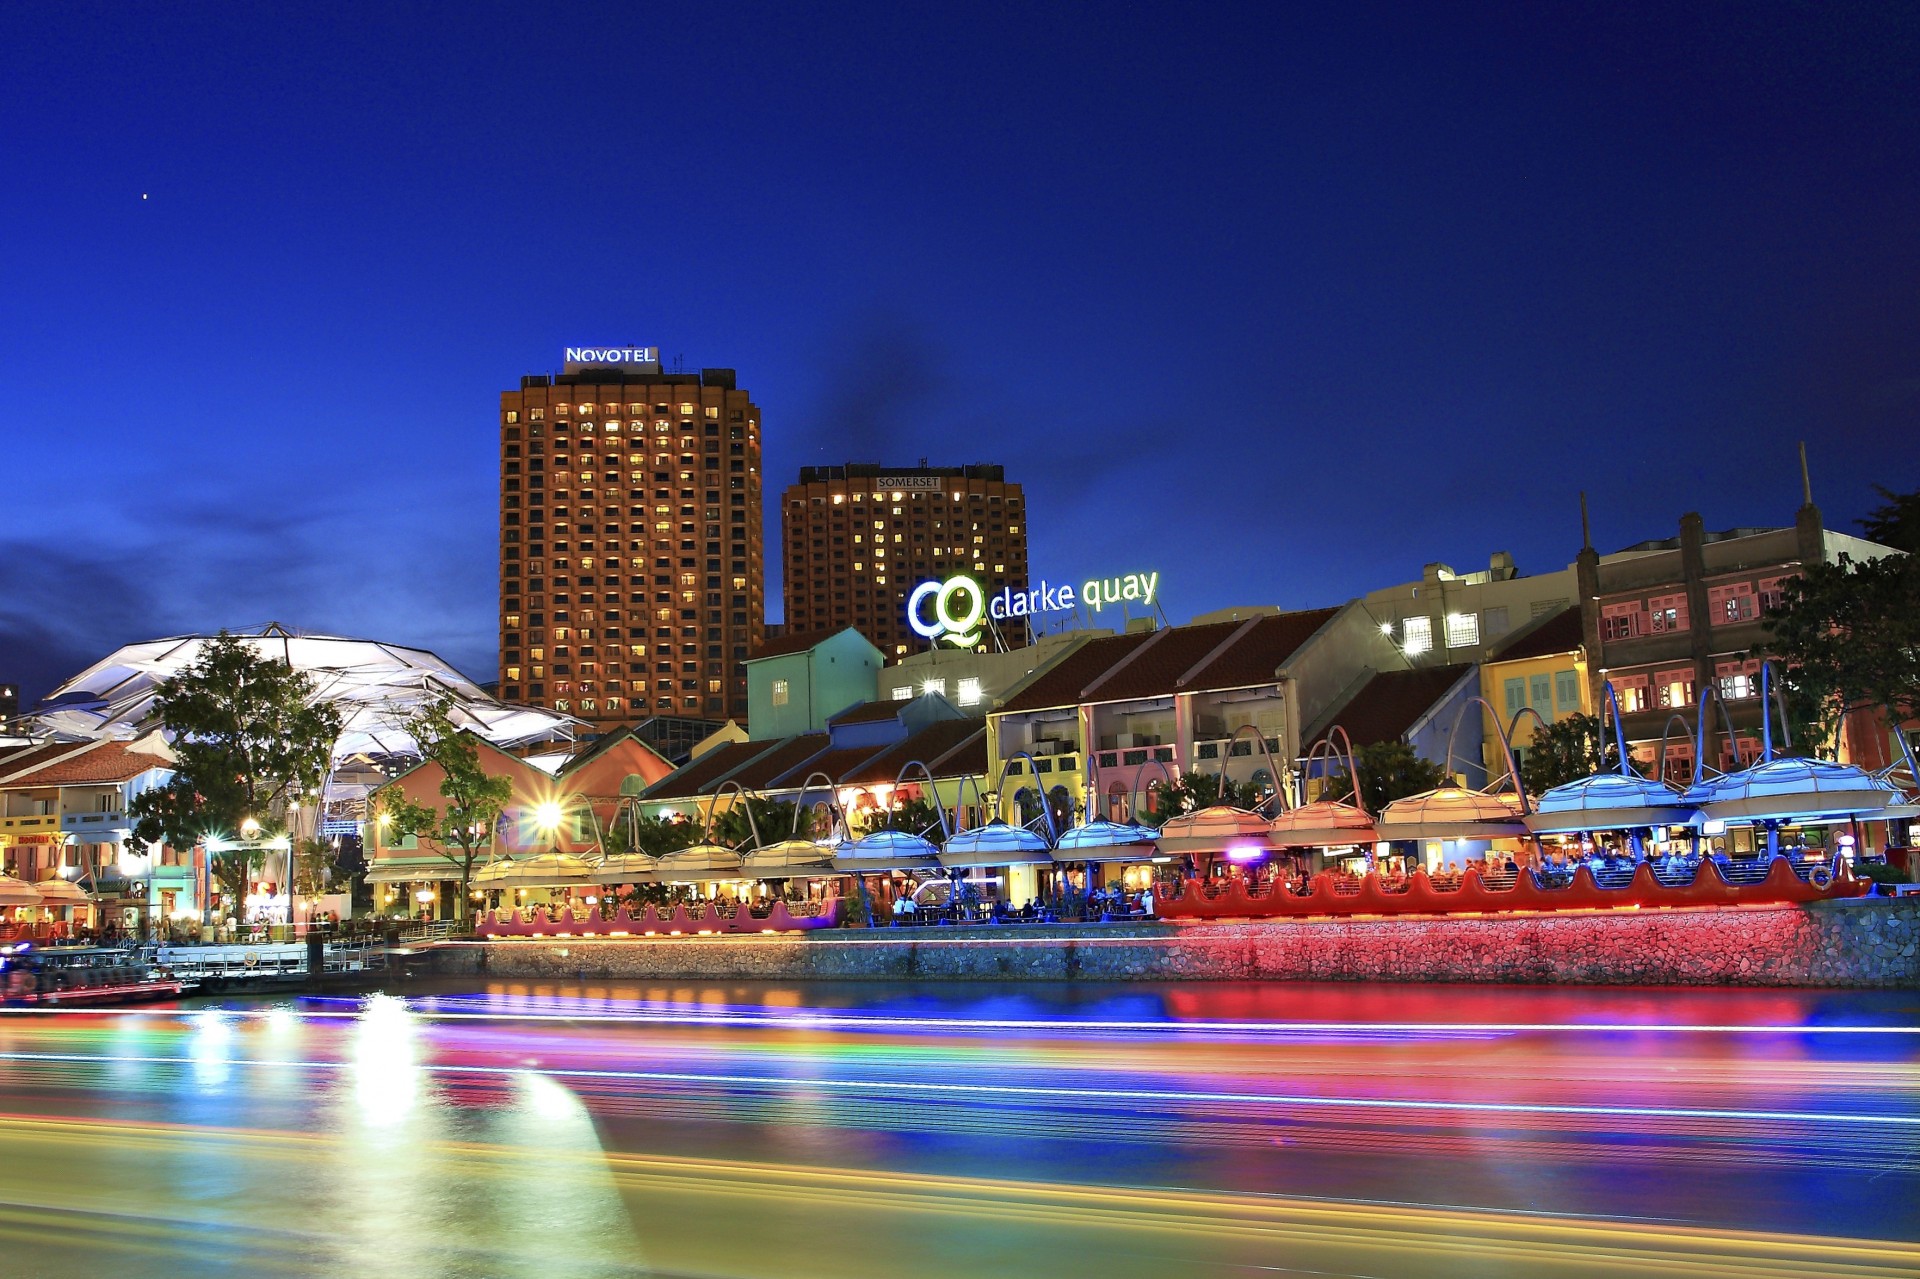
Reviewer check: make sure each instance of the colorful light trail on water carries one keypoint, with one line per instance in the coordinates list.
(738, 1130)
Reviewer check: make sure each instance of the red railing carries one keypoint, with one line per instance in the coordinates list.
(1330, 893)
(713, 918)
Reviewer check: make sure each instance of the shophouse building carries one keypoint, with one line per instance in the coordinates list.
(1449, 617)
(796, 683)
(979, 681)
(64, 809)
(1430, 708)
(1542, 669)
(1663, 620)
(1123, 714)
(631, 564)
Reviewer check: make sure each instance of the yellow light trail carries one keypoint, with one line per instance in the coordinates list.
(689, 1212)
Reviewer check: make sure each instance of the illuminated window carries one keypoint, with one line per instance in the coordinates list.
(512, 416)
(713, 413)
(779, 692)
(1463, 630)
(969, 692)
(686, 410)
(1417, 635)
(1738, 679)
(1673, 689)
(1632, 692)
(904, 692)
(934, 686)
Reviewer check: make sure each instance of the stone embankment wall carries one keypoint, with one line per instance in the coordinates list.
(1862, 943)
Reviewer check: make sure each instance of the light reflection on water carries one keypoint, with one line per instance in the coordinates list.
(705, 1129)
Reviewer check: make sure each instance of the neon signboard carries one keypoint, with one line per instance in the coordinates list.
(951, 611)
(613, 355)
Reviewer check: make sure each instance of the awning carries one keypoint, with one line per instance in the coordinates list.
(788, 856)
(886, 850)
(379, 874)
(702, 861)
(55, 891)
(627, 868)
(995, 844)
(544, 870)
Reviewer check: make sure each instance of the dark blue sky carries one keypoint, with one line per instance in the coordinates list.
(1280, 303)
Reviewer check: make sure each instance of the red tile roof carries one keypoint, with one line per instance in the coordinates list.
(1392, 702)
(836, 764)
(1561, 633)
(1060, 684)
(100, 764)
(20, 759)
(930, 746)
(708, 771)
(1256, 656)
(1177, 659)
(793, 754)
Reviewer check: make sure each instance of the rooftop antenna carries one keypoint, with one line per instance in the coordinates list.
(1806, 479)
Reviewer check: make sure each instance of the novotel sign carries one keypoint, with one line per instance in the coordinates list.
(613, 355)
(952, 611)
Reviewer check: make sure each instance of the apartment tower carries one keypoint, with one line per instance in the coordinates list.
(858, 538)
(631, 571)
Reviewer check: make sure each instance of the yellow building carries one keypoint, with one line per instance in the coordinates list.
(1543, 667)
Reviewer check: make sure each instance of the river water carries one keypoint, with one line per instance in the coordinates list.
(554, 1130)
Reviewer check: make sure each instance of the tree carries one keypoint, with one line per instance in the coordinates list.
(631, 831)
(1848, 637)
(772, 818)
(1896, 521)
(917, 816)
(1566, 751)
(1388, 771)
(313, 871)
(249, 737)
(1194, 791)
(461, 830)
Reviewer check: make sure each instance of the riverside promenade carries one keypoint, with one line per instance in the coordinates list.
(1861, 943)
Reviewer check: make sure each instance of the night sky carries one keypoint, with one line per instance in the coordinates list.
(1282, 301)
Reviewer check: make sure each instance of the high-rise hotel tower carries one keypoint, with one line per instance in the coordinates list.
(858, 538)
(631, 575)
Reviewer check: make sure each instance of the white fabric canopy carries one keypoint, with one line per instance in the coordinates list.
(375, 685)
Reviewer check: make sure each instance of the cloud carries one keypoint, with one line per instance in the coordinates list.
(885, 380)
(202, 561)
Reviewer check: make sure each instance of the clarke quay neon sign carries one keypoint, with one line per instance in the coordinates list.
(959, 604)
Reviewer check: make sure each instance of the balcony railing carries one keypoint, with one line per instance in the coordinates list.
(86, 824)
(1045, 764)
(29, 824)
(1137, 756)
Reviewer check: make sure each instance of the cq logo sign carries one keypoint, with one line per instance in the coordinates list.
(951, 610)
